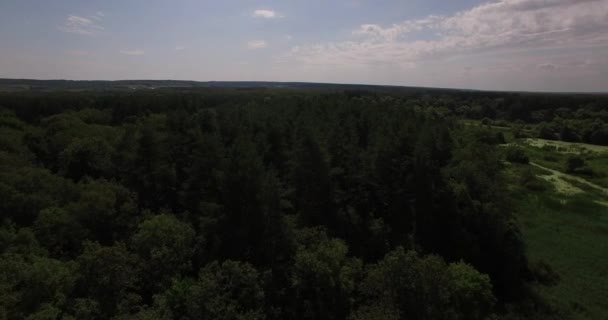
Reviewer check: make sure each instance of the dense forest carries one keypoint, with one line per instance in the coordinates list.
(293, 203)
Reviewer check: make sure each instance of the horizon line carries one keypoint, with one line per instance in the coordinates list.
(396, 86)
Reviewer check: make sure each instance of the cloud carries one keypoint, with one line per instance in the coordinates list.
(179, 48)
(135, 52)
(500, 26)
(257, 44)
(266, 14)
(98, 16)
(547, 66)
(378, 33)
(82, 25)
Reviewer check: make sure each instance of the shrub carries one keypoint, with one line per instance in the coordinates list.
(530, 181)
(516, 155)
(549, 147)
(550, 157)
(543, 273)
(585, 170)
(500, 138)
(573, 163)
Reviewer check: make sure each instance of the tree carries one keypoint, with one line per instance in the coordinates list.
(165, 246)
(324, 277)
(230, 290)
(106, 209)
(33, 286)
(471, 292)
(568, 134)
(154, 176)
(574, 163)
(545, 131)
(201, 185)
(60, 232)
(406, 285)
(86, 157)
(243, 217)
(312, 185)
(516, 155)
(107, 281)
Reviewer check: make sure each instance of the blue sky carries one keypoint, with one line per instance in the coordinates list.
(538, 45)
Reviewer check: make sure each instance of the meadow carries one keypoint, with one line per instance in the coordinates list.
(564, 222)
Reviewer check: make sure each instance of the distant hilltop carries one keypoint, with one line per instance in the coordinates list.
(51, 85)
(102, 85)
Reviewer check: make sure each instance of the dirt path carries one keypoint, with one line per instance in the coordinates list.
(563, 185)
(566, 147)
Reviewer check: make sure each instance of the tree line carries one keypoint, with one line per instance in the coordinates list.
(251, 204)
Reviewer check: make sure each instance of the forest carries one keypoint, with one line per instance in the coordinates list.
(278, 203)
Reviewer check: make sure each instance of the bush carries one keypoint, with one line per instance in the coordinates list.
(569, 135)
(585, 170)
(550, 157)
(516, 155)
(501, 123)
(545, 132)
(543, 273)
(530, 181)
(573, 163)
(500, 138)
(548, 147)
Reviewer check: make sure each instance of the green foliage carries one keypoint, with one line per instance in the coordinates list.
(313, 188)
(553, 223)
(529, 180)
(86, 157)
(264, 203)
(108, 278)
(105, 209)
(324, 277)
(544, 273)
(574, 163)
(60, 232)
(230, 290)
(516, 155)
(471, 292)
(164, 245)
(32, 286)
(425, 288)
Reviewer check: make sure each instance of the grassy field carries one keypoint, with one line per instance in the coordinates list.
(565, 224)
(553, 155)
(564, 221)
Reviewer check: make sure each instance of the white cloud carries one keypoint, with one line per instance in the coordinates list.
(266, 14)
(376, 32)
(257, 44)
(98, 16)
(515, 25)
(81, 25)
(547, 66)
(179, 48)
(134, 52)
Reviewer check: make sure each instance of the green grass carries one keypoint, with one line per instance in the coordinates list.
(571, 234)
(599, 164)
(597, 161)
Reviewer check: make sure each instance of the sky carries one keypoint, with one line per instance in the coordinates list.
(530, 45)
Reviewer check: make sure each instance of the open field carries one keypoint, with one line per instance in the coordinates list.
(553, 155)
(566, 147)
(563, 182)
(566, 225)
